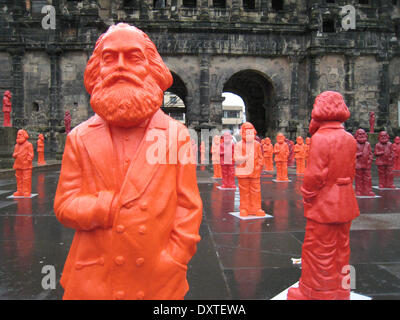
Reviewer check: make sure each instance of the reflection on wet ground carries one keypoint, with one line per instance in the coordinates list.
(235, 259)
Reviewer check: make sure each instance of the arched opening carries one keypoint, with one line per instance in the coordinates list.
(233, 112)
(258, 95)
(174, 103)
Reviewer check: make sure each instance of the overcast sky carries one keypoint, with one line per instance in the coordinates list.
(232, 99)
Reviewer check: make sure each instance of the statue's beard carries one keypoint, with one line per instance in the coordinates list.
(128, 103)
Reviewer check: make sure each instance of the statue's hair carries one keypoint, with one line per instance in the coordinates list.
(359, 131)
(330, 106)
(248, 125)
(157, 68)
(383, 133)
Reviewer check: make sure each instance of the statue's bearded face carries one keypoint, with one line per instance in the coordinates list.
(300, 140)
(21, 137)
(248, 134)
(126, 93)
(361, 136)
(280, 138)
(383, 137)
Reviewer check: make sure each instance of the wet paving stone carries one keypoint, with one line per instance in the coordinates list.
(235, 259)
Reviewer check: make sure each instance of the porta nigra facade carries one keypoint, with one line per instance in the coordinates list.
(277, 55)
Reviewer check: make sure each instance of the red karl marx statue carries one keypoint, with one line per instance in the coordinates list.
(363, 165)
(40, 150)
(300, 155)
(67, 122)
(396, 151)
(227, 161)
(23, 155)
(281, 152)
(136, 221)
(329, 203)
(268, 152)
(384, 161)
(7, 108)
(372, 122)
(249, 163)
(215, 156)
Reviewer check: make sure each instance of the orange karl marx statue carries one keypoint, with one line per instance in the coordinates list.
(268, 151)
(137, 220)
(215, 156)
(40, 150)
(281, 151)
(329, 203)
(23, 155)
(249, 163)
(300, 155)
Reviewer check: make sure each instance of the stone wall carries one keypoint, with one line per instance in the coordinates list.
(366, 78)
(36, 69)
(73, 94)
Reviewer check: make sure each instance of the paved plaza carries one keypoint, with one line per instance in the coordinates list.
(236, 259)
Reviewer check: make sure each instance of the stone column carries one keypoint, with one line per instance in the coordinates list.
(294, 86)
(235, 16)
(314, 80)
(383, 120)
(18, 119)
(264, 10)
(216, 110)
(349, 88)
(174, 9)
(145, 5)
(204, 87)
(56, 114)
(204, 12)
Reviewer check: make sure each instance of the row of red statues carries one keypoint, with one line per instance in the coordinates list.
(23, 155)
(281, 151)
(387, 159)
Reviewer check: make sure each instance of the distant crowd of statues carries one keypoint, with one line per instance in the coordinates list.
(286, 154)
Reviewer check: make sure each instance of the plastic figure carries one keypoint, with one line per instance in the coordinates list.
(290, 161)
(23, 155)
(67, 122)
(215, 152)
(202, 152)
(194, 150)
(307, 148)
(281, 152)
(363, 165)
(268, 152)
(40, 150)
(329, 203)
(227, 161)
(136, 220)
(384, 161)
(396, 152)
(300, 155)
(249, 162)
(7, 108)
(371, 122)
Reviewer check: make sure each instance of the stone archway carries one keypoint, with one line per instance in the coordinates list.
(179, 89)
(258, 94)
